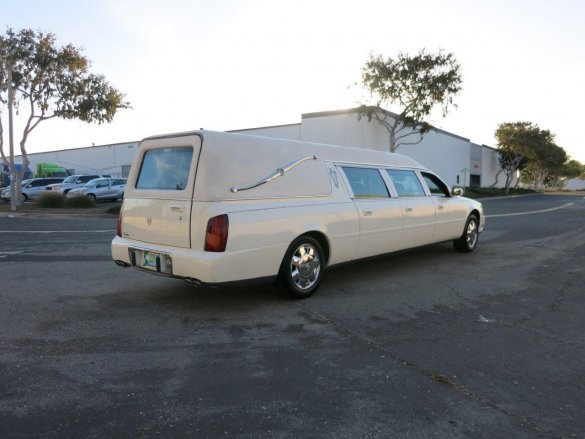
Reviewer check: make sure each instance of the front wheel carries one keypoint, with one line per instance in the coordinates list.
(91, 196)
(302, 267)
(468, 240)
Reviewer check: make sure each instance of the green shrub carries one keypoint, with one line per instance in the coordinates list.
(50, 199)
(79, 201)
(477, 192)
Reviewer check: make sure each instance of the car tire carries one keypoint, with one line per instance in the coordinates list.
(302, 268)
(24, 197)
(91, 196)
(467, 242)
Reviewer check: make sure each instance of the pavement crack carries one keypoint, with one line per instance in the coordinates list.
(559, 299)
(435, 376)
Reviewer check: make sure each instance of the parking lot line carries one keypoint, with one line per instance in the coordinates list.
(564, 206)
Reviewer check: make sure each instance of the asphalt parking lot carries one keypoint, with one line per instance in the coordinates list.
(422, 344)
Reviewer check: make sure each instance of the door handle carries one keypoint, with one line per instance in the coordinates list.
(367, 212)
(440, 207)
(177, 207)
(408, 209)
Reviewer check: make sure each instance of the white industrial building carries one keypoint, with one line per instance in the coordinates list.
(454, 158)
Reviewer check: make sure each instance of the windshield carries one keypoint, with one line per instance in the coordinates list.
(70, 179)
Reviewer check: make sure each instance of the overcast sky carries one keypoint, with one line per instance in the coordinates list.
(233, 64)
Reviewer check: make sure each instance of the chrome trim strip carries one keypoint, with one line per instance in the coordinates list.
(278, 173)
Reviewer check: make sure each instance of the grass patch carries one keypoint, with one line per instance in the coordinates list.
(114, 210)
(79, 202)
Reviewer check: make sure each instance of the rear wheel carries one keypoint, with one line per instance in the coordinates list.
(468, 240)
(302, 267)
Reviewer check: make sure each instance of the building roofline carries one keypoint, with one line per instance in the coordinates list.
(264, 127)
(389, 113)
(483, 145)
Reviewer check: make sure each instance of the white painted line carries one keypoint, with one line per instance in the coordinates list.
(564, 206)
(57, 231)
(3, 254)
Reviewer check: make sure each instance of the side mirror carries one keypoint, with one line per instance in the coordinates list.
(458, 191)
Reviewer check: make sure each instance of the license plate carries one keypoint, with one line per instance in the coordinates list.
(150, 261)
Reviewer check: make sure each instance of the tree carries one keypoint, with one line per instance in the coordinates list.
(416, 84)
(546, 162)
(568, 170)
(516, 141)
(50, 81)
(573, 169)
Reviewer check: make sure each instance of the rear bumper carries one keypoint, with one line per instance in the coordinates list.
(200, 266)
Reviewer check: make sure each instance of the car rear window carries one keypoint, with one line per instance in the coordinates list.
(166, 168)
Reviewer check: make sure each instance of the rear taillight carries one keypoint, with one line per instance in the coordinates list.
(119, 228)
(217, 233)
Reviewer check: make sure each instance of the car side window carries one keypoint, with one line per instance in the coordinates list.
(366, 182)
(436, 186)
(406, 183)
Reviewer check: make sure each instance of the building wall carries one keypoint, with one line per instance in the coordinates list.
(575, 184)
(105, 159)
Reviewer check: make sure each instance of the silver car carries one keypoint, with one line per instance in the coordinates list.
(5, 192)
(101, 189)
(31, 188)
(73, 182)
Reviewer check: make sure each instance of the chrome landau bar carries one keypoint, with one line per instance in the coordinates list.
(278, 173)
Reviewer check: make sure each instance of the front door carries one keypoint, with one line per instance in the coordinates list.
(418, 209)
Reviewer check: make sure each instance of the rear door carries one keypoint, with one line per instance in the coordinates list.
(379, 215)
(159, 192)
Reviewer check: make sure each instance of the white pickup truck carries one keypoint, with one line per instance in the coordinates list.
(213, 207)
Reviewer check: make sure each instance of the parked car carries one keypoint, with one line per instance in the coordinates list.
(31, 188)
(73, 182)
(5, 192)
(36, 186)
(225, 207)
(101, 189)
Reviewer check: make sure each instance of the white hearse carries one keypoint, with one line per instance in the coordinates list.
(212, 207)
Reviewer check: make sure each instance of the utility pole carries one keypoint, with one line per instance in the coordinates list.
(11, 138)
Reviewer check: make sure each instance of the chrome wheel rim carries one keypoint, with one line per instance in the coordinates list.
(305, 266)
(471, 234)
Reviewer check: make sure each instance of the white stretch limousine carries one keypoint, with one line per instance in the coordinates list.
(213, 207)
